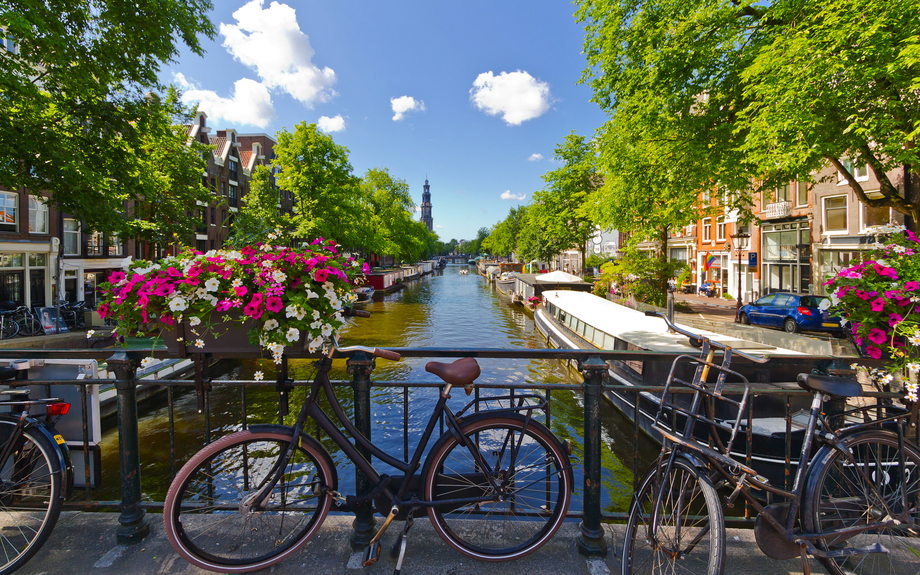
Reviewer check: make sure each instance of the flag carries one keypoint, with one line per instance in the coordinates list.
(708, 261)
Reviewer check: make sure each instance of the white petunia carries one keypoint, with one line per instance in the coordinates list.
(193, 321)
(290, 311)
(315, 344)
(212, 284)
(316, 324)
(293, 334)
(316, 314)
(178, 304)
(276, 348)
(311, 294)
(825, 304)
(278, 276)
(327, 330)
(270, 325)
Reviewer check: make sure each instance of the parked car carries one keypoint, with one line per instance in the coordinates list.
(791, 312)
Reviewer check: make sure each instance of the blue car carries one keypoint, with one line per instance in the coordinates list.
(791, 312)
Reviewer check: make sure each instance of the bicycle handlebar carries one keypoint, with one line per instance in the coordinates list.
(714, 343)
(375, 351)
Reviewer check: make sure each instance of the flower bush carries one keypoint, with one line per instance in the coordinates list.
(288, 294)
(880, 297)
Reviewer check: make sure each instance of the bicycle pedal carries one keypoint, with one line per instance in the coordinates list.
(371, 554)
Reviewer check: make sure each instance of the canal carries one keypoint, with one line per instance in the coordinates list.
(445, 309)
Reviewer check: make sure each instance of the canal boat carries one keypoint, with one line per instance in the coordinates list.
(505, 284)
(464, 272)
(578, 320)
(364, 293)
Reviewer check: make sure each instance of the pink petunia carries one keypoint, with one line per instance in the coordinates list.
(274, 304)
(877, 336)
(912, 286)
(874, 352)
(116, 277)
(877, 304)
(861, 294)
(321, 275)
(365, 268)
(240, 291)
(103, 310)
(173, 272)
(894, 319)
(858, 340)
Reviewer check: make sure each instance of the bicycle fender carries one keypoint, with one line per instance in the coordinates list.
(62, 460)
(567, 464)
(305, 438)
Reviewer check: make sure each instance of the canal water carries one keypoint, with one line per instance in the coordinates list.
(445, 309)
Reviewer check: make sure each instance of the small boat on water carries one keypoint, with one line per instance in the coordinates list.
(579, 320)
(364, 293)
(505, 283)
(464, 272)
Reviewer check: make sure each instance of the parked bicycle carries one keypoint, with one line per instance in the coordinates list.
(496, 484)
(854, 506)
(36, 474)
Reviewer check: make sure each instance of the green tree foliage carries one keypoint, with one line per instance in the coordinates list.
(72, 98)
(166, 169)
(327, 198)
(637, 274)
(503, 236)
(729, 92)
(389, 215)
(259, 215)
(562, 209)
(474, 247)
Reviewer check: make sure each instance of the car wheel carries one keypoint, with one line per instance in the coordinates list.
(745, 319)
(790, 326)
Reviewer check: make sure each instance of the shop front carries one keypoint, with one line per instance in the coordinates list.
(786, 248)
(26, 273)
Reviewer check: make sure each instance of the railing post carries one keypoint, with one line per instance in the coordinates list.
(591, 541)
(132, 522)
(360, 367)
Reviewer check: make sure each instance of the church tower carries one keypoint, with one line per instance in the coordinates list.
(426, 207)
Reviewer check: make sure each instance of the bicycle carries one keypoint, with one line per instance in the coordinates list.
(36, 474)
(853, 506)
(253, 498)
(27, 322)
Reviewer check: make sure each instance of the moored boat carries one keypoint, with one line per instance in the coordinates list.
(364, 293)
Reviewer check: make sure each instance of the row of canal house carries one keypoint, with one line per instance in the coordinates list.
(806, 232)
(41, 248)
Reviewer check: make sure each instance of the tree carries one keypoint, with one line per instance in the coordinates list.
(326, 192)
(735, 92)
(72, 97)
(259, 214)
(388, 220)
(562, 208)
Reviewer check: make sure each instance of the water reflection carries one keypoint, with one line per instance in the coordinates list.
(441, 310)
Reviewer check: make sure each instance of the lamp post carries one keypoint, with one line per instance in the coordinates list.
(739, 244)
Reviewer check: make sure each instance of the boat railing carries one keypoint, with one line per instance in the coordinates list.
(605, 490)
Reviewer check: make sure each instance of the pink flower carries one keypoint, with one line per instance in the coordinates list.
(118, 276)
(877, 304)
(877, 336)
(321, 275)
(274, 304)
(164, 290)
(874, 352)
(365, 268)
(240, 290)
(223, 305)
(167, 318)
(912, 286)
(256, 299)
(103, 308)
(173, 272)
(858, 340)
(253, 311)
(862, 295)
(894, 319)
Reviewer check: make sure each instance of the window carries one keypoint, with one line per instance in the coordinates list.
(876, 216)
(223, 188)
(802, 195)
(71, 237)
(678, 254)
(707, 229)
(38, 216)
(232, 167)
(232, 197)
(213, 216)
(784, 193)
(94, 244)
(116, 248)
(9, 213)
(835, 214)
(861, 173)
(706, 197)
(720, 228)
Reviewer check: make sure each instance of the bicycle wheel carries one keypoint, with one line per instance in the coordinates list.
(839, 496)
(30, 496)
(207, 514)
(29, 326)
(690, 534)
(8, 329)
(533, 477)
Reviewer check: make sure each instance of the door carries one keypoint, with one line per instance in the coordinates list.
(37, 288)
(11, 287)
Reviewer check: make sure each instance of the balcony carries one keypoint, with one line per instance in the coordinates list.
(777, 210)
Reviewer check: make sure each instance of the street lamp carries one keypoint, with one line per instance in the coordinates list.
(738, 237)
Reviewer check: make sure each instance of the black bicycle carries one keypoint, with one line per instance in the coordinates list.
(496, 484)
(855, 506)
(36, 474)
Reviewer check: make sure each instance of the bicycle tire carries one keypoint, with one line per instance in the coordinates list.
(30, 496)
(211, 491)
(693, 496)
(9, 329)
(837, 496)
(530, 516)
(29, 326)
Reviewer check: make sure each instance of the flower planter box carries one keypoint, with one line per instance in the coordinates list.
(233, 340)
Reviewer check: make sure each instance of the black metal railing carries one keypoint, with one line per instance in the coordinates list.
(592, 364)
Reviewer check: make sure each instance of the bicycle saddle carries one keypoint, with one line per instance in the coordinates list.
(839, 386)
(464, 371)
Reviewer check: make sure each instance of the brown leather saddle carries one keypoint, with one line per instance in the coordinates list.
(463, 372)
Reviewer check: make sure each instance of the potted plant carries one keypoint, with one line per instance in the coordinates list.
(260, 298)
(880, 298)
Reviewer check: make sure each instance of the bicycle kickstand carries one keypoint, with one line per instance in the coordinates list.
(399, 548)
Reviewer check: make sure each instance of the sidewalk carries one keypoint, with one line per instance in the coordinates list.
(710, 308)
(85, 543)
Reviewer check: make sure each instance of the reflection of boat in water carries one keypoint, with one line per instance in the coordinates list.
(464, 272)
(364, 293)
(578, 320)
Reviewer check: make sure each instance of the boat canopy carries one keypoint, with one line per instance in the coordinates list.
(558, 277)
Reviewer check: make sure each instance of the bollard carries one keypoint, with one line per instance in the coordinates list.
(360, 367)
(591, 541)
(132, 523)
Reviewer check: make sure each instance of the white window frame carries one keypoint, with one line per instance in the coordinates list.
(846, 204)
(9, 196)
(863, 224)
(76, 232)
(707, 229)
(720, 229)
(41, 210)
(798, 191)
(95, 244)
(848, 164)
(115, 247)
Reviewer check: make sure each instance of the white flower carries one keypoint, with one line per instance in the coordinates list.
(278, 276)
(293, 334)
(316, 324)
(266, 247)
(212, 284)
(311, 294)
(178, 304)
(258, 376)
(90, 333)
(276, 348)
(234, 255)
(290, 311)
(193, 321)
(126, 263)
(147, 362)
(913, 366)
(914, 340)
(270, 324)
(887, 378)
(199, 343)
(854, 366)
(327, 330)
(834, 299)
(316, 314)
(825, 304)
(272, 235)
(201, 292)
(315, 344)
(328, 286)
(237, 283)
(267, 263)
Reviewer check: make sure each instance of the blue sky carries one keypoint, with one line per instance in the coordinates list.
(473, 94)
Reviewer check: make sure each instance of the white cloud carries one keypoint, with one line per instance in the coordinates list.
(515, 96)
(250, 103)
(328, 125)
(507, 195)
(418, 208)
(440, 227)
(405, 104)
(270, 42)
(535, 157)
